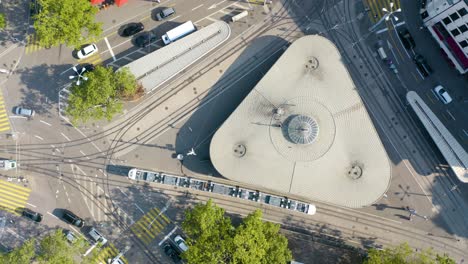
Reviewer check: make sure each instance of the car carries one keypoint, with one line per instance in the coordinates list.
(23, 111)
(132, 28)
(422, 65)
(87, 51)
(30, 214)
(117, 261)
(72, 219)
(87, 66)
(406, 39)
(145, 39)
(165, 13)
(171, 252)
(180, 242)
(442, 94)
(96, 236)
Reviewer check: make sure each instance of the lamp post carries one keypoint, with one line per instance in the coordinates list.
(387, 16)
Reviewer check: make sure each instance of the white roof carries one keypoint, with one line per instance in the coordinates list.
(304, 130)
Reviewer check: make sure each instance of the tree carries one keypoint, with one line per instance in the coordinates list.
(67, 22)
(95, 98)
(21, 255)
(126, 83)
(213, 239)
(404, 254)
(2, 21)
(55, 249)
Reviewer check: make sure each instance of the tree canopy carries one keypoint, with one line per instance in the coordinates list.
(213, 239)
(404, 254)
(21, 255)
(99, 96)
(68, 22)
(2, 21)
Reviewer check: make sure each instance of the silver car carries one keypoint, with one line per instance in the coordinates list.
(23, 111)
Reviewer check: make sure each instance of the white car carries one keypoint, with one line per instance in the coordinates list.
(442, 94)
(87, 51)
(181, 243)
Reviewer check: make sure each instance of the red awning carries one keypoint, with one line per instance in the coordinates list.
(95, 2)
(120, 2)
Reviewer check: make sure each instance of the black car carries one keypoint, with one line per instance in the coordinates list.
(422, 65)
(132, 29)
(37, 217)
(171, 252)
(72, 219)
(145, 39)
(87, 66)
(407, 39)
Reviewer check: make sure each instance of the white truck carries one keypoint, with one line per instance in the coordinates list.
(178, 32)
(7, 164)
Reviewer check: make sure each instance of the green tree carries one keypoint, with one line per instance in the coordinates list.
(95, 98)
(2, 21)
(125, 82)
(404, 254)
(213, 239)
(67, 22)
(21, 255)
(55, 249)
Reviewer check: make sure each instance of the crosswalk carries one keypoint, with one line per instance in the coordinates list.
(4, 121)
(375, 8)
(107, 253)
(32, 43)
(13, 197)
(150, 225)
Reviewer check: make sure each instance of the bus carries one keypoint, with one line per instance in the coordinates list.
(178, 32)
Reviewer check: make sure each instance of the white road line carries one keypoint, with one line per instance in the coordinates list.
(450, 114)
(44, 122)
(139, 208)
(36, 136)
(85, 199)
(15, 234)
(122, 191)
(80, 170)
(16, 116)
(82, 153)
(52, 215)
(167, 236)
(174, 18)
(381, 31)
(197, 7)
(110, 49)
(213, 19)
(196, 22)
(76, 231)
(31, 205)
(466, 133)
(65, 136)
(68, 69)
(390, 47)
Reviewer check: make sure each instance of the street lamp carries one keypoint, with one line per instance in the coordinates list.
(387, 15)
(78, 74)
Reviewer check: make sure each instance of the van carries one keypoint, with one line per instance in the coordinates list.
(97, 237)
(382, 53)
(167, 12)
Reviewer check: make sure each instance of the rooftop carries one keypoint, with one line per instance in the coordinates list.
(304, 130)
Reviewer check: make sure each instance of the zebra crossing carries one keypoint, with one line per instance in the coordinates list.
(107, 253)
(32, 44)
(64, 93)
(13, 197)
(4, 121)
(375, 8)
(150, 225)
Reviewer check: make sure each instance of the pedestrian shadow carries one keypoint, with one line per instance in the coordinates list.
(405, 217)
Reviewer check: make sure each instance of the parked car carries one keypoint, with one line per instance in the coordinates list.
(145, 39)
(171, 252)
(132, 28)
(72, 219)
(87, 66)
(30, 214)
(165, 13)
(96, 236)
(23, 111)
(180, 242)
(406, 39)
(422, 65)
(71, 237)
(442, 94)
(87, 51)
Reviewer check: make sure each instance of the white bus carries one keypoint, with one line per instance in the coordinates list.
(178, 32)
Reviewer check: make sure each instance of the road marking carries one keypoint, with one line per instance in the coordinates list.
(139, 208)
(450, 114)
(17, 116)
(82, 153)
(174, 18)
(44, 122)
(81, 170)
(381, 31)
(197, 7)
(122, 191)
(110, 49)
(391, 49)
(52, 215)
(74, 229)
(213, 6)
(466, 133)
(31, 205)
(68, 69)
(36, 136)
(65, 136)
(167, 236)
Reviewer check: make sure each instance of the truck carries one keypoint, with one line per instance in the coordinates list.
(7, 164)
(178, 32)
